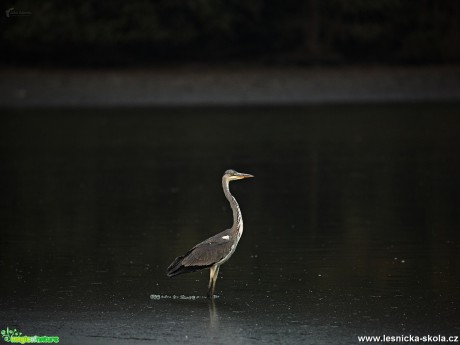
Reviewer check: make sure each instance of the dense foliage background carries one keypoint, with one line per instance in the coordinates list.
(91, 32)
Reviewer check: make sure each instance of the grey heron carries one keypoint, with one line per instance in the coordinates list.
(216, 250)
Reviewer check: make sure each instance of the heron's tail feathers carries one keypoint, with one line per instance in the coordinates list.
(176, 267)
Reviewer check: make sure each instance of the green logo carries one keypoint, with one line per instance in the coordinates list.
(14, 336)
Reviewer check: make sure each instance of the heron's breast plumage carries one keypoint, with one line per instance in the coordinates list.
(233, 247)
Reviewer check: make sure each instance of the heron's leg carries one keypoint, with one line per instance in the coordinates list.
(211, 275)
(213, 272)
(216, 273)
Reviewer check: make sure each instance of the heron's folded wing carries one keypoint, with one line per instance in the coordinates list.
(207, 253)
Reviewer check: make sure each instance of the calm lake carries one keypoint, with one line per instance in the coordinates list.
(352, 223)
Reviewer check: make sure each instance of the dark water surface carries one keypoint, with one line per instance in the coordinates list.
(351, 224)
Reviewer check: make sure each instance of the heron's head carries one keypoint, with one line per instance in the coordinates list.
(235, 175)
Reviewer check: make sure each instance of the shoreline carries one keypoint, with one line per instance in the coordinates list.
(232, 86)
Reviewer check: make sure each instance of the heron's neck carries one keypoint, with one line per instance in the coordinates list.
(237, 217)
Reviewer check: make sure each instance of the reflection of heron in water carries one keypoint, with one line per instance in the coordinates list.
(216, 250)
(213, 317)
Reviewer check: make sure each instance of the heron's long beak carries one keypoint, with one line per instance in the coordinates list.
(241, 176)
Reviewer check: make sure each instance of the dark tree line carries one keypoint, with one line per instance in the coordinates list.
(116, 32)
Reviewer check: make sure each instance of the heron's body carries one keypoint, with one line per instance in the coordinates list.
(216, 250)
